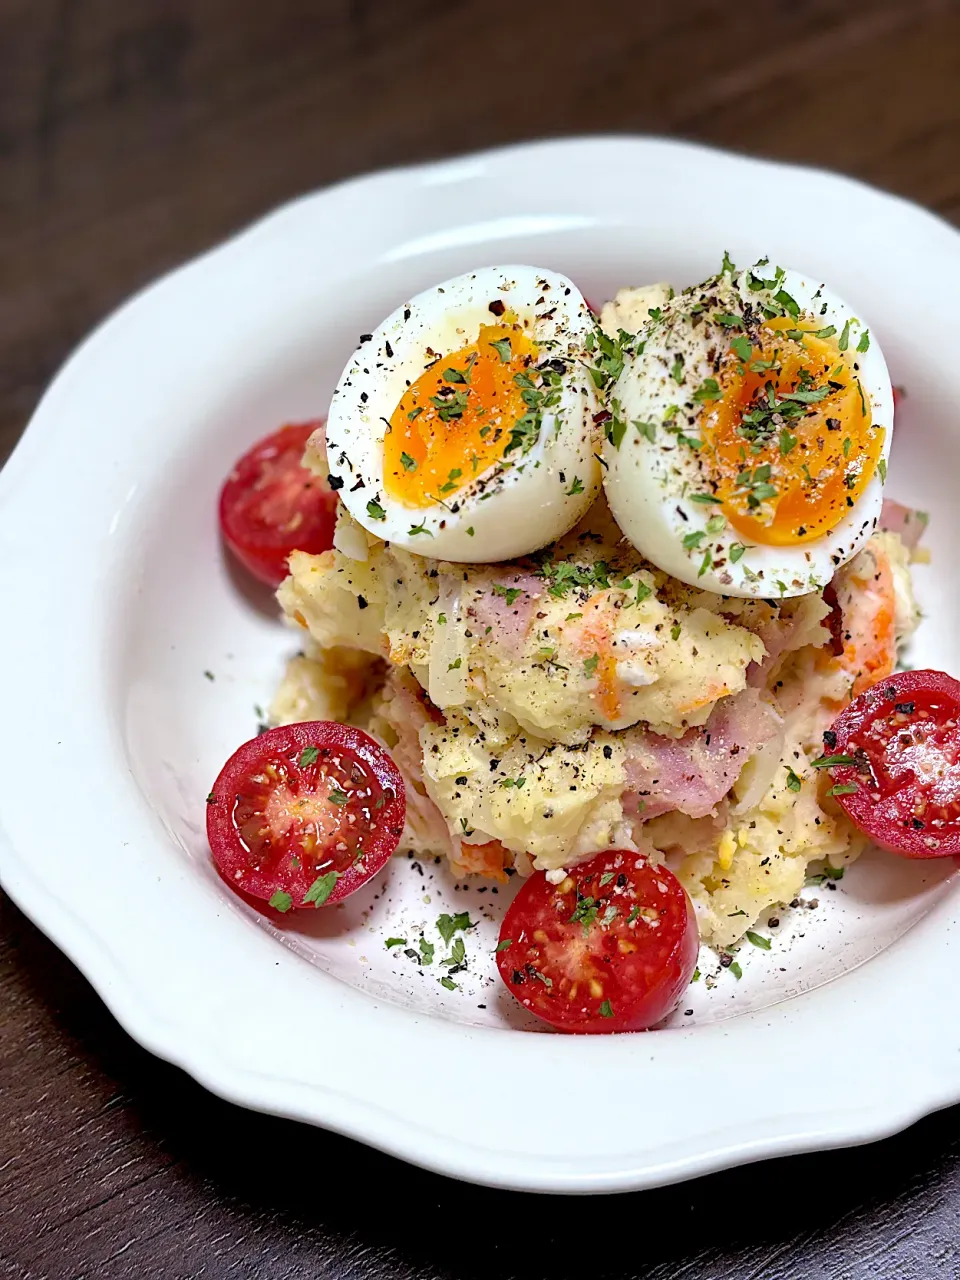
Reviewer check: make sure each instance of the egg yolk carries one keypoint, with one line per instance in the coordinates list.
(788, 435)
(458, 418)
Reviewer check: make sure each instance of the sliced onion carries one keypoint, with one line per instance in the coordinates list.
(759, 771)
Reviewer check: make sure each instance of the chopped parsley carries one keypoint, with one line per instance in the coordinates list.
(708, 390)
(321, 889)
(794, 782)
(575, 488)
(736, 552)
(647, 429)
(408, 463)
(741, 347)
(280, 901)
(456, 375)
(448, 983)
(449, 403)
(787, 442)
(308, 755)
(728, 320)
(727, 267)
(375, 511)
(503, 350)
(675, 631)
(586, 913)
(758, 940)
(504, 945)
(676, 371)
(590, 664)
(395, 942)
(606, 1009)
(882, 469)
(419, 528)
(427, 950)
(828, 762)
(691, 540)
(448, 925)
(844, 789)
(844, 337)
(736, 970)
(864, 343)
(706, 498)
(455, 665)
(337, 796)
(510, 594)
(415, 413)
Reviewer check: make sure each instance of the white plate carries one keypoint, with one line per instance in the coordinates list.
(109, 561)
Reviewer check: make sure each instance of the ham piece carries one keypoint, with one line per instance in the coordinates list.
(694, 773)
(896, 518)
(508, 616)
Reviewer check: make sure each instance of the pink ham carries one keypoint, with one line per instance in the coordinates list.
(692, 774)
(909, 524)
(509, 617)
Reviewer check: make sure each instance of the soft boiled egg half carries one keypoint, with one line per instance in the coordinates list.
(751, 428)
(464, 427)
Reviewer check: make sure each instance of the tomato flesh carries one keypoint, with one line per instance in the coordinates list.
(610, 948)
(305, 814)
(898, 775)
(270, 504)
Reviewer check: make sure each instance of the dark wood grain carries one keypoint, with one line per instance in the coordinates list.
(134, 133)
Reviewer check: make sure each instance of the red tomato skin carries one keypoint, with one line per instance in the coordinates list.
(229, 854)
(260, 544)
(932, 687)
(651, 1005)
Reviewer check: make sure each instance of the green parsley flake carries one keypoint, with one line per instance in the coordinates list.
(882, 469)
(758, 940)
(691, 540)
(737, 550)
(606, 1009)
(321, 889)
(675, 631)
(647, 429)
(705, 563)
(308, 755)
(510, 594)
(708, 390)
(504, 945)
(844, 337)
(844, 789)
(677, 370)
(590, 664)
(741, 348)
(706, 498)
(575, 488)
(864, 343)
(794, 782)
(427, 950)
(448, 925)
(375, 511)
(455, 665)
(409, 464)
(395, 942)
(448, 983)
(727, 267)
(736, 970)
(415, 413)
(280, 901)
(455, 375)
(419, 528)
(829, 762)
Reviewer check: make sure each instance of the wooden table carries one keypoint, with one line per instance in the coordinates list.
(134, 133)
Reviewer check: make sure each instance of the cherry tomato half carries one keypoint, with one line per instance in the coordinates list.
(270, 505)
(305, 814)
(894, 759)
(610, 948)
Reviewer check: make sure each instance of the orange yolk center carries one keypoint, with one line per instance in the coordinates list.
(788, 437)
(457, 419)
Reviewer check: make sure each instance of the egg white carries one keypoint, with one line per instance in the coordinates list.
(648, 483)
(521, 503)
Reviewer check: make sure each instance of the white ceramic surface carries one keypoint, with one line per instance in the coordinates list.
(110, 563)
